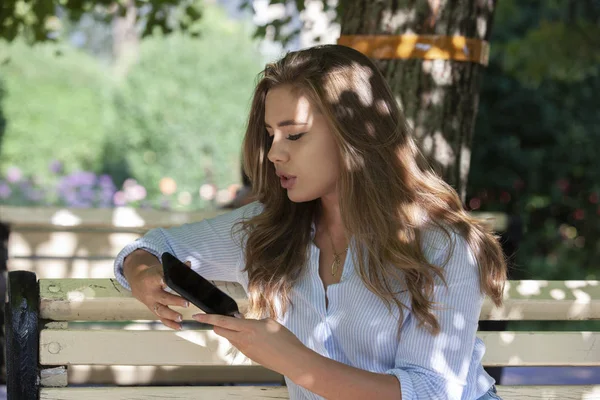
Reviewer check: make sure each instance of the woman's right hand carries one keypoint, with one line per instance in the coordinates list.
(147, 285)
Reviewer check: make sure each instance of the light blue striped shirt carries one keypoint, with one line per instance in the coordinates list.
(356, 328)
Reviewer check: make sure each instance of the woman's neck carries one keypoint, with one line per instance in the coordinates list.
(329, 217)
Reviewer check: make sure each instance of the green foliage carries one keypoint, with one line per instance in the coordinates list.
(182, 109)
(557, 40)
(2, 117)
(537, 56)
(55, 105)
(180, 112)
(38, 21)
(535, 151)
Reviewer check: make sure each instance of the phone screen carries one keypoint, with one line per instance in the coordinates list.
(195, 288)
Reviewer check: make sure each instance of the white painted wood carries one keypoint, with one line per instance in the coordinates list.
(37, 243)
(54, 377)
(546, 300)
(175, 393)
(541, 348)
(558, 392)
(118, 218)
(122, 347)
(204, 347)
(64, 268)
(587, 392)
(105, 299)
(170, 374)
(126, 217)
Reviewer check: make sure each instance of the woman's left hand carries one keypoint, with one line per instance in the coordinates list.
(264, 341)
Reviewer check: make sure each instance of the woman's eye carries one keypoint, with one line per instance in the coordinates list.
(295, 137)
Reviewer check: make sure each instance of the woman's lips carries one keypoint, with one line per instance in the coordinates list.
(287, 183)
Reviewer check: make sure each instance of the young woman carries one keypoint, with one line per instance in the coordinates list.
(364, 274)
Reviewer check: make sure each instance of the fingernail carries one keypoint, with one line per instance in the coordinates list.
(186, 304)
(179, 318)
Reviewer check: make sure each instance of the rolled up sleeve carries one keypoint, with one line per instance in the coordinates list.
(209, 245)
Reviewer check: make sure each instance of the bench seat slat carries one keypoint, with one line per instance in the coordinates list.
(173, 392)
(106, 300)
(570, 392)
(204, 347)
(170, 374)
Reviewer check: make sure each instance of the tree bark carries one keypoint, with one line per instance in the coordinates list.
(438, 97)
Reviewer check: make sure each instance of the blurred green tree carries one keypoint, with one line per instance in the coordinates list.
(535, 148)
(55, 104)
(182, 108)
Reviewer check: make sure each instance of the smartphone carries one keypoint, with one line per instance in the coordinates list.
(196, 289)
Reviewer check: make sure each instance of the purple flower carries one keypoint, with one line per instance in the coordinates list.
(106, 197)
(5, 191)
(56, 167)
(119, 199)
(106, 181)
(14, 174)
(35, 195)
(135, 192)
(83, 178)
(130, 182)
(25, 186)
(76, 203)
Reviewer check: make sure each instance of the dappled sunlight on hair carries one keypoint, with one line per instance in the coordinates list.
(389, 195)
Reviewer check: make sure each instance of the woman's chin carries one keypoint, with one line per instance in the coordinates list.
(297, 197)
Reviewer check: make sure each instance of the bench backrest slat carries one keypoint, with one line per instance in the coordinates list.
(126, 217)
(106, 300)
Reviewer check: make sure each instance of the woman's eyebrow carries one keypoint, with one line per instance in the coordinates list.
(287, 122)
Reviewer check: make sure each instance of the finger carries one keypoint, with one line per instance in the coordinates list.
(231, 323)
(188, 263)
(165, 312)
(161, 280)
(169, 299)
(226, 333)
(171, 324)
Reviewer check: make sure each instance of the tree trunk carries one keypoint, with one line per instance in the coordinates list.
(439, 97)
(125, 39)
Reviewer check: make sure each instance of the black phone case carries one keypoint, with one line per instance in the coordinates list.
(225, 305)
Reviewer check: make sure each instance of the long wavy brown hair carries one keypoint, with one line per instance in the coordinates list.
(386, 190)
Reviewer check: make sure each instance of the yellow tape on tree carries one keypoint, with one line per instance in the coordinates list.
(428, 47)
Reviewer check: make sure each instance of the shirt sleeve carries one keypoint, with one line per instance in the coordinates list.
(210, 245)
(436, 367)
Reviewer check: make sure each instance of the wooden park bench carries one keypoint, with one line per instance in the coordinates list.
(45, 338)
(59, 243)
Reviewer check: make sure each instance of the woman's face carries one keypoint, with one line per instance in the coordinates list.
(303, 149)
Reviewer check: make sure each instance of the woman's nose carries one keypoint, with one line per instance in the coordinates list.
(277, 153)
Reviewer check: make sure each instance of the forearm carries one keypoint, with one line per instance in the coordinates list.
(334, 380)
(137, 261)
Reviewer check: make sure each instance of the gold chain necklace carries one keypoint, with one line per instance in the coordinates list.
(337, 261)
